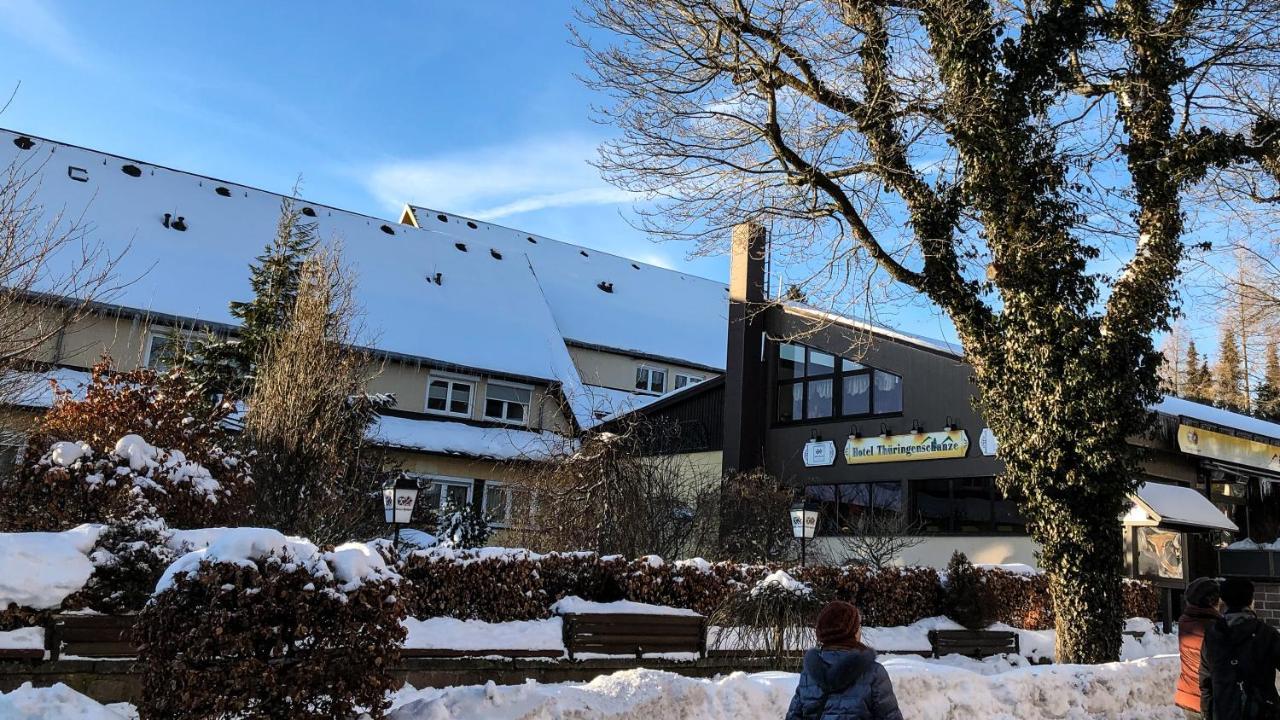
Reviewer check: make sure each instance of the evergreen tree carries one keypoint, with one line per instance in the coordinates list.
(1268, 394)
(227, 365)
(1199, 378)
(1228, 387)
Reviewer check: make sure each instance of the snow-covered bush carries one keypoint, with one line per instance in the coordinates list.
(462, 526)
(129, 557)
(775, 614)
(261, 625)
(139, 430)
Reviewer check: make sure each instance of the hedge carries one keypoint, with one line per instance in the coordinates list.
(500, 585)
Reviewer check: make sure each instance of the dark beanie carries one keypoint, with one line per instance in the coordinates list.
(839, 624)
(1203, 592)
(1237, 593)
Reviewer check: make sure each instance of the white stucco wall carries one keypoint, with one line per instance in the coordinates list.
(936, 551)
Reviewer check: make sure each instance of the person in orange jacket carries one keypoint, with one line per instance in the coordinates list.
(1200, 612)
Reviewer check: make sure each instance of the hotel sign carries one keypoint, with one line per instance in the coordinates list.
(912, 446)
(819, 453)
(1229, 448)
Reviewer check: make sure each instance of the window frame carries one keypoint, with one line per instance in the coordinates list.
(528, 406)
(448, 400)
(689, 379)
(782, 387)
(170, 332)
(649, 370)
(505, 521)
(426, 481)
(953, 521)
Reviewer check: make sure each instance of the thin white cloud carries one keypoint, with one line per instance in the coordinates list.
(37, 23)
(499, 180)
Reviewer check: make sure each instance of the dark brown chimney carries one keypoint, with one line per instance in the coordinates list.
(744, 386)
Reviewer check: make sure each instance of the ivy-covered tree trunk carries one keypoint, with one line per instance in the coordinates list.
(1023, 165)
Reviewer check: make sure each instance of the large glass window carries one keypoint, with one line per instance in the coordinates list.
(845, 506)
(814, 385)
(651, 379)
(451, 397)
(946, 506)
(169, 346)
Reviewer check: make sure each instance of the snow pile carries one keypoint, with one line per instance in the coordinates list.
(53, 703)
(134, 461)
(925, 689)
(443, 633)
(27, 638)
(42, 568)
(1247, 544)
(574, 605)
(780, 581)
(351, 564)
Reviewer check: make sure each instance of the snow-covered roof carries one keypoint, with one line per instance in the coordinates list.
(921, 341)
(33, 389)
(455, 438)
(593, 404)
(1164, 504)
(1179, 407)
(604, 300)
(485, 312)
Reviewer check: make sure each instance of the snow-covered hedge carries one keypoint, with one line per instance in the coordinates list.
(498, 584)
(134, 432)
(262, 625)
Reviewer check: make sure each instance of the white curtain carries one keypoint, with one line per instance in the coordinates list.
(857, 384)
(886, 382)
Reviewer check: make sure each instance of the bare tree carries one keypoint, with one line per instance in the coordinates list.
(877, 539)
(316, 473)
(1023, 165)
(620, 492)
(51, 275)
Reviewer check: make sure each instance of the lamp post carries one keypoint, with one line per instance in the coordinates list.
(804, 523)
(399, 495)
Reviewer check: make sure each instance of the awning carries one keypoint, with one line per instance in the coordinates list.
(1177, 508)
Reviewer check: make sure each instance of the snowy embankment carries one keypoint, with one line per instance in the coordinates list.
(58, 702)
(41, 569)
(1140, 689)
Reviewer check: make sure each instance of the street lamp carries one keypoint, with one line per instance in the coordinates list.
(399, 495)
(804, 523)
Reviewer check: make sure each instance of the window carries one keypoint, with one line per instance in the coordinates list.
(946, 506)
(449, 397)
(843, 506)
(651, 379)
(166, 346)
(507, 403)
(436, 494)
(683, 380)
(814, 385)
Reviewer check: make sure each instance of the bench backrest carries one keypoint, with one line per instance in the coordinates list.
(973, 643)
(104, 636)
(634, 635)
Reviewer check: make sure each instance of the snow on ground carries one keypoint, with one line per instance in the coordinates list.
(576, 605)
(27, 638)
(453, 634)
(926, 690)
(58, 702)
(42, 568)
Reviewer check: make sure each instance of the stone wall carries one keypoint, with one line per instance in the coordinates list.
(1266, 602)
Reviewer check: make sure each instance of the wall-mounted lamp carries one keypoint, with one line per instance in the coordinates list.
(884, 430)
(916, 429)
(951, 424)
(855, 432)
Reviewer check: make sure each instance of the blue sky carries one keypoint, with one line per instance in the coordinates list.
(472, 108)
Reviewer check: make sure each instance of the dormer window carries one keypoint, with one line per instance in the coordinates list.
(684, 379)
(652, 380)
(507, 403)
(448, 396)
(167, 346)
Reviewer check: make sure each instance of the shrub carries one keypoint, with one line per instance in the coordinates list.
(968, 600)
(773, 615)
(261, 626)
(155, 433)
(130, 556)
(462, 526)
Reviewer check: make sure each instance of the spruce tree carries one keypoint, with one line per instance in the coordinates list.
(227, 365)
(1228, 386)
(1267, 403)
(1198, 376)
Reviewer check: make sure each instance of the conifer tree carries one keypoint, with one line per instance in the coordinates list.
(1198, 376)
(1267, 401)
(1228, 387)
(223, 366)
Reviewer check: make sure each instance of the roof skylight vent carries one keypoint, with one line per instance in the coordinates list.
(461, 246)
(496, 255)
(180, 224)
(471, 225)
(309, 211)
(24, 142)
(387, 229)
(530, 239)
(131, 170)
(635, 266)
(442, 217)
(605, 286)
(583, 253)
(224, 192)
(77, 174)
(438, 278)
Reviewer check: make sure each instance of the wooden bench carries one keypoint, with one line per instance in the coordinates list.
(97, 636)
(973, 643)
(634, 635)
(408, 653)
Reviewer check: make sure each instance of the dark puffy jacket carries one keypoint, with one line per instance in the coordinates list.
(1240, 654)
(843, 685)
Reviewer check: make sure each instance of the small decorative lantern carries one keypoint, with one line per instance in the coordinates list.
(804, 523)
(399, 496)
